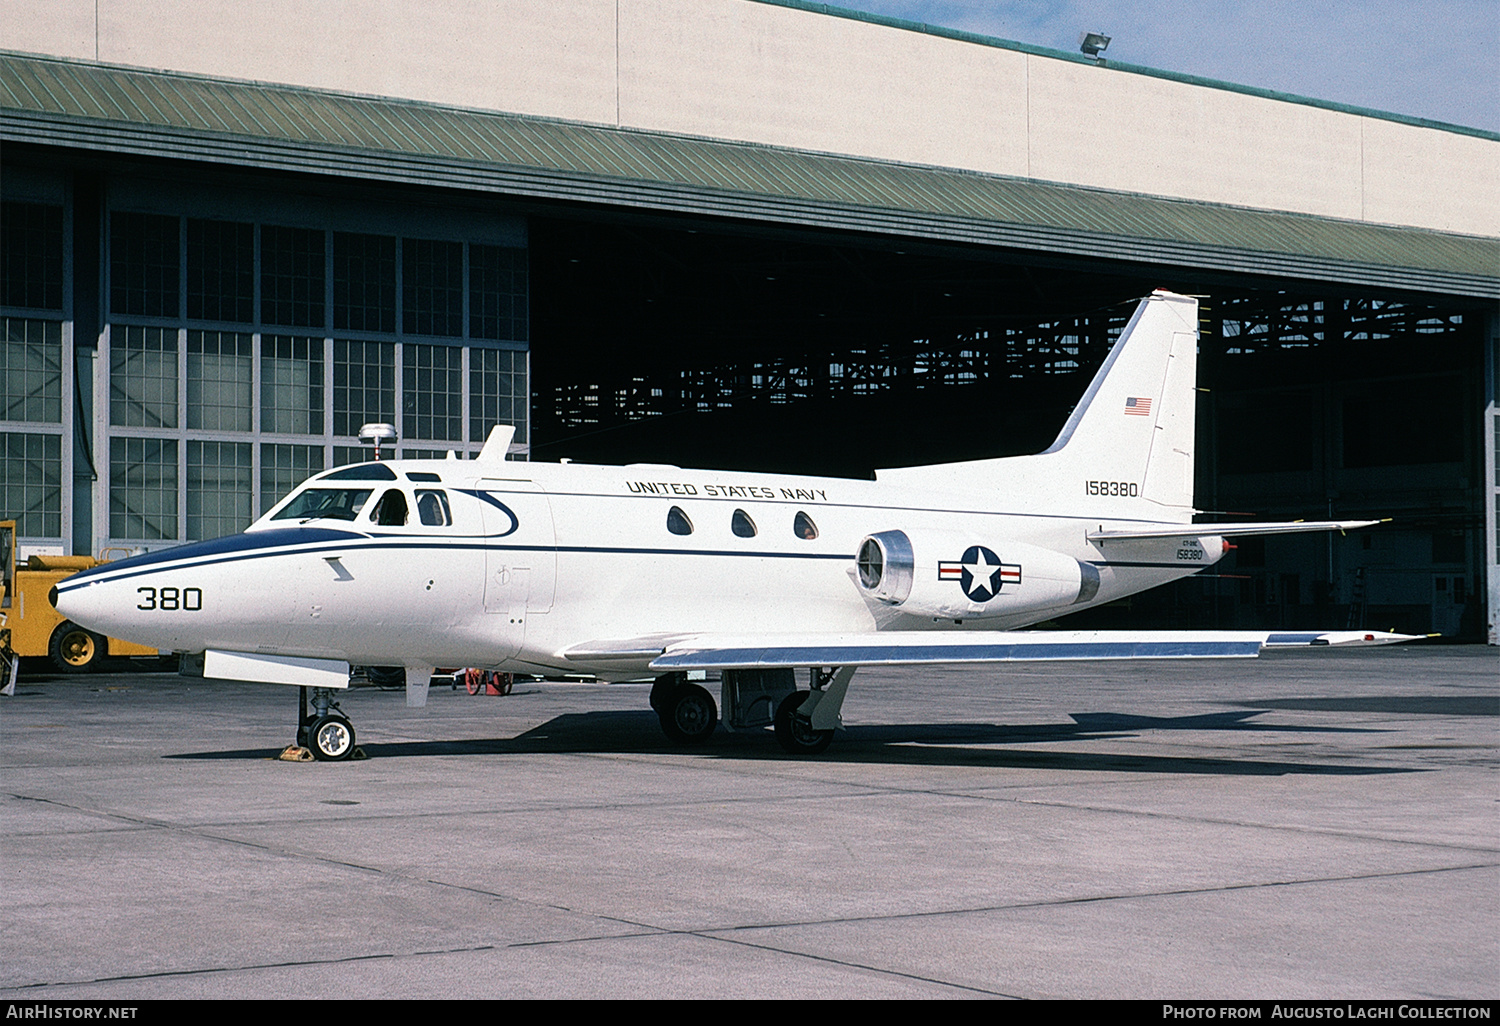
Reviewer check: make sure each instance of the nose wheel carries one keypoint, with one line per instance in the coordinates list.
(331, 738)
(325, 732)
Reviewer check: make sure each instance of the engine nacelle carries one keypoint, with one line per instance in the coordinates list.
(960, 575)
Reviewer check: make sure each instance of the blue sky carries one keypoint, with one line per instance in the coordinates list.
(1437, 59)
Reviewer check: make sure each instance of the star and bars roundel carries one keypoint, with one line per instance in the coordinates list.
(980, 573)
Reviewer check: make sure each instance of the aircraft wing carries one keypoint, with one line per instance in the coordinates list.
(909, 648)
(1228, 530)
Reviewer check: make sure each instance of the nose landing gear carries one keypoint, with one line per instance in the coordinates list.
(326, 732)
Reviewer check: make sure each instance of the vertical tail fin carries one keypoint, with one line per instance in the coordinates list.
(1127, 450)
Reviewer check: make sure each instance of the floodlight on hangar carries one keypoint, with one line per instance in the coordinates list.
(1093, 43)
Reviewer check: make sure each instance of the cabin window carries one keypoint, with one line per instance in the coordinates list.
(742, 525)
(432, 508)
(678, 522)
(332, 503)
(804, 527)
(421, 475)
(390, 511)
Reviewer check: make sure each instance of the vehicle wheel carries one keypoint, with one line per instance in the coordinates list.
(386, 676)
(688, 715)
(75, 649)
(794, 733)
(331, 739)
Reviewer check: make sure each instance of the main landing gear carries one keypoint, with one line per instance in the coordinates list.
(326, 732)
(687, 712)
(794, 729)
(803, 721)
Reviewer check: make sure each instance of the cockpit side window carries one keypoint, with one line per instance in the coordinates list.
(742, 525)
(390, 511)
(804, 527)
(678, 522)
(432, 508)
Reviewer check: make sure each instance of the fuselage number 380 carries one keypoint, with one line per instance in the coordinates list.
(170, 599)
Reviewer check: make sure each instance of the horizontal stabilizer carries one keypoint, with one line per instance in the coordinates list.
(910, 648)
(1227, 530)
(1302, 639)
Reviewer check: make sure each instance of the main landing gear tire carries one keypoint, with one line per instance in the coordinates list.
(331, 739)
(75, 649)
(794, 733)
(688, 714)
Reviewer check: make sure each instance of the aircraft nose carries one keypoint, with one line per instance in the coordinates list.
(78, 605)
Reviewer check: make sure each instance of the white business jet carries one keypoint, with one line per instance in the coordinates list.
(649, 570)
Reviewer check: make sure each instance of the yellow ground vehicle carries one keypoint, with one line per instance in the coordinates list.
(30, 626)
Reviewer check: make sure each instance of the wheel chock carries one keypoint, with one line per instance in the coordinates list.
(296, 753)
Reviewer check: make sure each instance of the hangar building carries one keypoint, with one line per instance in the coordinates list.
(762, 234)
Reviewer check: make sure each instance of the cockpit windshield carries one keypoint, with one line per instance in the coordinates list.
(333, 503)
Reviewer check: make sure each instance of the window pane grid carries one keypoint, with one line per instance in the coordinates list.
(31, 255)
(31, 370)
(343, 455)
(497, 293)
(364, 385)
(218, 488)
(218, 381)
(364, 282)
(143, 488)
(143, 377)
(184, 269)
(31, 483)
(220, 271)
(144, 268)
(291, 276)
(432, 387)
(284, 467)
(432, 290)
(497, 392)
(291, 385)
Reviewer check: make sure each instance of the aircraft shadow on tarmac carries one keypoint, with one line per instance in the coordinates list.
(913, 744)
(1398, 705)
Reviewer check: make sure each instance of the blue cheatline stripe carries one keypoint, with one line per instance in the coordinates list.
(875, 653)
(126, 569)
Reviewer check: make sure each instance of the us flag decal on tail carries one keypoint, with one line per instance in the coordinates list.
(1137, 407)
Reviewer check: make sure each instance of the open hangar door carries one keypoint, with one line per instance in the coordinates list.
(698, 344)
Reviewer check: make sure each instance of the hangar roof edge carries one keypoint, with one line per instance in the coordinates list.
(87, 105)
(979, 39)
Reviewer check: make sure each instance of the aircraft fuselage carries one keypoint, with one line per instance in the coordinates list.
(525, 560)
